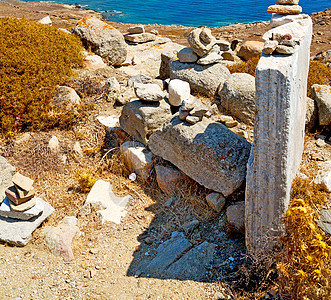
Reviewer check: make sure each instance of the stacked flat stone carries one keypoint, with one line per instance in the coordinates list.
(280, 43)
(204, 48)
(137, 35)
(20, 202)
(192, 110)
(285, 7)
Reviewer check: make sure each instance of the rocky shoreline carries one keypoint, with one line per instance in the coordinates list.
(66, 16)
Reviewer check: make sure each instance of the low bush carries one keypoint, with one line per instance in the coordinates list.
(34, 58)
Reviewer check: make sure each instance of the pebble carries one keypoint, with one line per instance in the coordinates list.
(320, 143)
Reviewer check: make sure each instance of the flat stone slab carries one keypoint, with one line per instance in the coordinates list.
(324, 221)
(208, 152)
(18, 232)
(167, 253)
(111, 207)
(192, 266)
(7, 212)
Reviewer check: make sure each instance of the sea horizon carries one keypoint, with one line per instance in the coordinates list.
(211, 13)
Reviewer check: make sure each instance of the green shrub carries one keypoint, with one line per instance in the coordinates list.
(34, 58)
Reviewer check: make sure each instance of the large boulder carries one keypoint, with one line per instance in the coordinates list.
(139, 118)
(237, 97)
(205, 80)
(201, 40)
(250, 49)
(103, 39)
(322, 95)
(207, 152)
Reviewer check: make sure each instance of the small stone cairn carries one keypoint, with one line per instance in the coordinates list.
(282, 43)
(20, 201)
(204, 48)
(137, 35)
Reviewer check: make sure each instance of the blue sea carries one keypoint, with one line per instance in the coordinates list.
(211, 13)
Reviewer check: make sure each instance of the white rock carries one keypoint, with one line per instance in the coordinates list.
(178, 91)
(324, 176)
(78, 149)
(111, 207)
(94, 62)
(148, 92)
(278, 20)
(46, 21)
(54, 144)
(110, 122)
(138, 158)
(295, 29)
(66, 97)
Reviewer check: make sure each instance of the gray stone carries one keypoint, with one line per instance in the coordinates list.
(192, 266)
(178, 91)
(58, 239)
(212, 57)
(282, 49)
(167, 253)
(183, 114)
(140, 37)
(103, 39)
(111, 207)
(201, 40)
(165, 66)
(18, 232)
(190, 226)
(205, 80)
(216, 201)
(324, 221)
(199, 110)
(126, 96)
(136, 29)
(322, 95)
(238, 97)
(139, 119)
(7, 212)
(235, 215)
(193, 119)
(278, 139)
(138, 158)
(113, 88)
(187, 55)
(150, 92)
(269, 47)
(66, 97)
(323, 177)
(7, 172)
(207, 152)
(224, 45)
(138, 78)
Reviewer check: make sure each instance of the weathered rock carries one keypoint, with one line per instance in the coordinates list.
(207, 152)
(111, 207)
(224, 45)
(66, 97)
(136, 29)
(269, 47)
(199, 110)
(150, 92)
(18, 232)
(54, 144)
(103, 39)
(94, 62)
(216, 201)
(286, 42)
(46, 21)
(178, 91)
(22, 181)
(140, 37)
(231, 124)
(165, 67)
(284, 9)
(138, 78)
(322, 95)
(212, 57)
(294, 29)
(235, 215)
(7, 212)
(278, 138)
(201, 40)
(58, 239)
(187, 55)
(24, 206)
(190, 226)
(138, 158)
(324, 176)
(192, 266)
(311, 114)
(205, 80)
(126, 96)
(113, 88)
(250, 49)
(78, 149)
(167, 253)
(281, 49)
(287, 2)
(139, 119)
(230, 55)
(192, 119)
(167, 178)
(278, 20)
(238, 97)
(324, 221)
